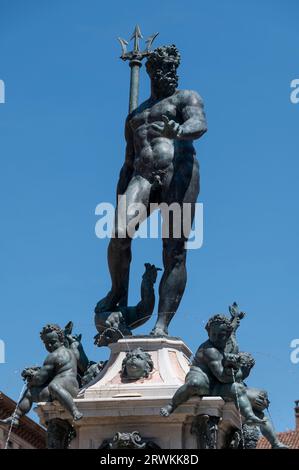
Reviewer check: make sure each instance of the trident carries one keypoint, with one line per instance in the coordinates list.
(135, 57)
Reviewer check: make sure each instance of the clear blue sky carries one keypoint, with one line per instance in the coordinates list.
(62, 145)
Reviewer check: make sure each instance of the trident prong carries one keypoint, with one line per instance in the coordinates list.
(149, 42)
(135, 58)
(136, 54)
(136, 36)
(123, 44)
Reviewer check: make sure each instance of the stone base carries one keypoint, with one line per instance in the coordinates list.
(112, 404)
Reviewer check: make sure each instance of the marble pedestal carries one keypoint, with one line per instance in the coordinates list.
(111, 404)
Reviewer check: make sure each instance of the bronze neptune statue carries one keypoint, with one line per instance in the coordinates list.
(160, 167)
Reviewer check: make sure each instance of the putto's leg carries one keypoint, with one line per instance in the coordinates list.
(260, 401)
(59, 393)
(181, 396)
(23, 408)
(237, 392)
(193, 386)
(269, 433)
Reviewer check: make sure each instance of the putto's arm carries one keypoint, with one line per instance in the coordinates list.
(194, 120)
(43, 375)
(224, 375)
(127, 168)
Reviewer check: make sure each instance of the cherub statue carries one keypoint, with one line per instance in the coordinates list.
(259, 400)
(213, 372)
(55, 380)
(219, 369)
(113, 325)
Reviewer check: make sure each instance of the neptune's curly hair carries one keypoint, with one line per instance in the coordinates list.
(162, 55)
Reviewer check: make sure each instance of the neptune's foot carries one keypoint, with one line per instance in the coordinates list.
(159, 331)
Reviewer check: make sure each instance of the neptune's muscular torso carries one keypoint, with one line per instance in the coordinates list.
(155, 151)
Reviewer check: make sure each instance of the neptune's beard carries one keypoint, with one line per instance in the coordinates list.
(164, 84)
